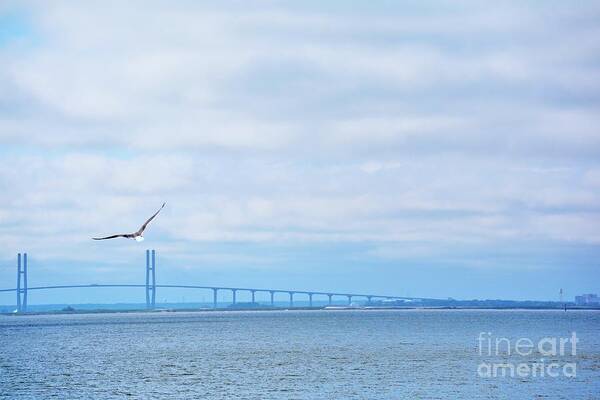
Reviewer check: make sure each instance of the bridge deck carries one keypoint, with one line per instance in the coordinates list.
(307, 292)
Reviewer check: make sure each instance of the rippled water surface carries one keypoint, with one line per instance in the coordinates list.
(395, 354)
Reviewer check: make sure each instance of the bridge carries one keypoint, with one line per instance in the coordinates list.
(150, 286)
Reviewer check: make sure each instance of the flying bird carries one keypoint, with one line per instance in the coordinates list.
(137, 236)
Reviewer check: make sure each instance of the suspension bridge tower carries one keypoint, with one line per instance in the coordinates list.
(150, 279)
(22, 283)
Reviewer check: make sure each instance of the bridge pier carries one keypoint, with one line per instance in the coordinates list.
(22, 271)
(253, 292)
(150, 280)
(272, 298)
(369, 299)
(215, 297)
(349, 300)
(291, 299)
(310, 295)
(329, 295)
(234, 291)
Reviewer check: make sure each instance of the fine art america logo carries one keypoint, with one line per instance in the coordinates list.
(540, 358)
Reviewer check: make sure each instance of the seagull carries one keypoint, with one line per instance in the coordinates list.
(137, 236)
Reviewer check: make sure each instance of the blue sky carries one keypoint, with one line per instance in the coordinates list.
(433, 149)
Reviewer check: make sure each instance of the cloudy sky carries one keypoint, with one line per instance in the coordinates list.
(414, 148)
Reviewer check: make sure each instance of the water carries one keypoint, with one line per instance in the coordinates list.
(395, 354)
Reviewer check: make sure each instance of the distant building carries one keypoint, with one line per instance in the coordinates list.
(590, 299)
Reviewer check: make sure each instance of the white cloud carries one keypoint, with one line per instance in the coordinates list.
(279, 122)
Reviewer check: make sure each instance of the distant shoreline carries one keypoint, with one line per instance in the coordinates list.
(325, 308)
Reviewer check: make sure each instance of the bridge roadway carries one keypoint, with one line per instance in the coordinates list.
(234, 291)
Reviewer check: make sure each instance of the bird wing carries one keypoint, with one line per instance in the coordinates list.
(149, 219)
(125, 235)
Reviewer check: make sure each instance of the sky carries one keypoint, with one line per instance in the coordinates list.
(429, 149)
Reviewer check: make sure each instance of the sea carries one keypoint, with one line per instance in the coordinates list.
(303, 354)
